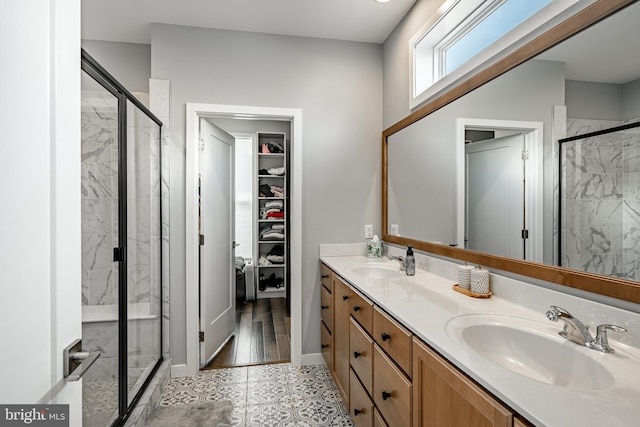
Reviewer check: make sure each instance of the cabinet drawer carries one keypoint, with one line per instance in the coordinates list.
(361, 354)
(360, 406)
(326, 310)
(393, 338)
(325, 277)
(378, 421)
(326, 343)
(391, 390)
(362, 311)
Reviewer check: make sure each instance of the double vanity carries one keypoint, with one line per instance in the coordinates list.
(409, 351)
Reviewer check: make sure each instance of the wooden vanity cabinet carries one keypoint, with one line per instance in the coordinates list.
(326, 314)
(445, 397)
(342, 297)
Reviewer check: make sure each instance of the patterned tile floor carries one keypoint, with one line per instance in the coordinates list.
(266, 395)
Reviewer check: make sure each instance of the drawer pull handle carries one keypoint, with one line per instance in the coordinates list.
(324, 307)
(324, 345)
(356, 354)
(356, 308)
(325, 276)
(357, 412)
(345, 297)
(385, 395)
(385, 336)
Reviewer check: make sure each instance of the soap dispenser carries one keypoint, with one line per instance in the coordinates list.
(410, 262)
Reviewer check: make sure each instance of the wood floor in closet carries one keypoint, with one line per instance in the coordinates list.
(262, 335)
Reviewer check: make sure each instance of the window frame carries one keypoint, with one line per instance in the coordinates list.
(452, 15)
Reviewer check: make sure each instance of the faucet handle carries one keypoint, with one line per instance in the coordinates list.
(556, 312)
(601, 343)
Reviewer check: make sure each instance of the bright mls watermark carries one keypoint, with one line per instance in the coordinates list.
(34, 415)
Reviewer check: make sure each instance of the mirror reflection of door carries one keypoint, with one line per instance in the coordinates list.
(495, 199)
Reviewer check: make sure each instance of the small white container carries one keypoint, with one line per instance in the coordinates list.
(480, 281)
(464, 276)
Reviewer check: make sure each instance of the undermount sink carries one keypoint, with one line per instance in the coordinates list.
(531, 349)
(378, 271)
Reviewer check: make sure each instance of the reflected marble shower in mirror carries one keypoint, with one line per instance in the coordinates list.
(599, 197)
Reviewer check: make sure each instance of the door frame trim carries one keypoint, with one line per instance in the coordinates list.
(195, 111)
(534, 141)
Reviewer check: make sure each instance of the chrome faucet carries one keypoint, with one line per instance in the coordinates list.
(574, 330)
(399, 258)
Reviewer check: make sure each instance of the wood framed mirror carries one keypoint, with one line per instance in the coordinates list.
(615, 287)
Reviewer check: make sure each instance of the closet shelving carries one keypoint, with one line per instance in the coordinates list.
(272, 223)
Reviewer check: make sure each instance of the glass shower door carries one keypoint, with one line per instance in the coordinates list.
(143, 248)
(99, 204)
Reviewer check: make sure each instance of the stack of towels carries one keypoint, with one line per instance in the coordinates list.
(272, 210)
(272, 232)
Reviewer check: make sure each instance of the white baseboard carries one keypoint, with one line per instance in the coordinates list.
(178, 371)
(312, 359)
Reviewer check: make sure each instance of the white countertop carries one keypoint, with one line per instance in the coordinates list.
(424, 303)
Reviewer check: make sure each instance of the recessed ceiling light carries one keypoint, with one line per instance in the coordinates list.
(382, 1)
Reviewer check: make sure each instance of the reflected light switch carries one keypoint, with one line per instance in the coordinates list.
(394, 230)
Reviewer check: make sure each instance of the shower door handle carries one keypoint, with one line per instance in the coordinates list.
(77, 362)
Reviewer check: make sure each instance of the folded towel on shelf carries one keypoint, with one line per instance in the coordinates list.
(263, 260)
(276, 171)
(276, 259)
(275, 215)
(274, 204)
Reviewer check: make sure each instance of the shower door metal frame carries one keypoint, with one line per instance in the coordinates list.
(105, 79)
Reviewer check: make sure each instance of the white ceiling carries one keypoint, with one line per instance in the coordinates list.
(355, 20)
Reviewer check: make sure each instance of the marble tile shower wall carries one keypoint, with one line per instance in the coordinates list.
(601, 200)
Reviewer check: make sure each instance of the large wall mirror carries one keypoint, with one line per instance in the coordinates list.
(475, 174)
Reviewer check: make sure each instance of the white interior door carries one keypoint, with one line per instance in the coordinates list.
(495, 196)
(217, 272)
(40, 304)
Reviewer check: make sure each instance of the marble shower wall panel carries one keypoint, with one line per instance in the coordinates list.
(99, 193)
(600, 200)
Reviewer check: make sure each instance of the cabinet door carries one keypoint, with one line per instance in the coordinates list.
(326, 343)
(393, 338)
(325, 277)
(341, 304)
(444, 397)
(361, 355)
(391, 390)
(326, 311)
(360, 406)
(362, 311)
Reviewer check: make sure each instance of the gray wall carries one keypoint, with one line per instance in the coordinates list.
(592, 100)
(338, 86)
(129, 63)
(631, 100)
(397, 61)
(602, 101)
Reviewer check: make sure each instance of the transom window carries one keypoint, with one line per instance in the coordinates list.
(493, 20)
(464, 32)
